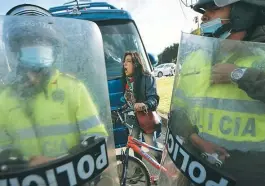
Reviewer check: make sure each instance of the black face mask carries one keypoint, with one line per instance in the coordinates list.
(22, 84)
(21, 69)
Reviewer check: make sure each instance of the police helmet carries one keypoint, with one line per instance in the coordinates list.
(36, 41)
(242, 14)
(28, 10)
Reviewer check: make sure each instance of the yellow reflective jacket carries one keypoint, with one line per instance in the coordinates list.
(224, 114)
(49, 124)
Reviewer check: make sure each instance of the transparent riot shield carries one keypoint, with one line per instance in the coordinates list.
(216, 125)
(55, 120)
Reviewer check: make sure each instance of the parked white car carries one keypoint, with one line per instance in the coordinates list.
(165, 69)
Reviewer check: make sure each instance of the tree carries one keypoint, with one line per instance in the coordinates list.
(169, 55)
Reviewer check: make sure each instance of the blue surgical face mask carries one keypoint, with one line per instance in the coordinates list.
(36, 56)
(212, 26)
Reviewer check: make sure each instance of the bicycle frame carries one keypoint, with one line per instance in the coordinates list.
(136, 145)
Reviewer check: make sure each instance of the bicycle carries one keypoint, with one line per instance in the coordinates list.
(136, 145)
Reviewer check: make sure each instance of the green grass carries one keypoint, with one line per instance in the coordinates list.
(164, 88)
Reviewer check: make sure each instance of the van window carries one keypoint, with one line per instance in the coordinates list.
(119, 37)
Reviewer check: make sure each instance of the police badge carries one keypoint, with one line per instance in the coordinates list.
(58, 95)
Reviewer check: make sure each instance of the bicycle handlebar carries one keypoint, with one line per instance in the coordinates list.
(124, 111)
(121, 112)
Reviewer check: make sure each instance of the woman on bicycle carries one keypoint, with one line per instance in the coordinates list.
(140, 93)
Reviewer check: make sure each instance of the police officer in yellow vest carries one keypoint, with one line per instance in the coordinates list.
(44, 112)
(227, 116)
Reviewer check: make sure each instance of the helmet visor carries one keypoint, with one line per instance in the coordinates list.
(222, 3)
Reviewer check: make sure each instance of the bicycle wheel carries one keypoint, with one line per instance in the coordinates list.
(136, 171)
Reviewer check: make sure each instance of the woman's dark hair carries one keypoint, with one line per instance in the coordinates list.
(138, 73)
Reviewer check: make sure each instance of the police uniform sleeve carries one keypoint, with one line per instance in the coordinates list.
(253, 83)
(5, 140)
(180, 123)
(87, 115)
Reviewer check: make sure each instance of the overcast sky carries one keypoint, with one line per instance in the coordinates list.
(160, 21)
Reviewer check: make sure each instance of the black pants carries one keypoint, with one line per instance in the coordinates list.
(248, 168)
